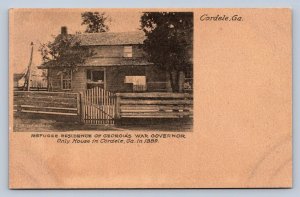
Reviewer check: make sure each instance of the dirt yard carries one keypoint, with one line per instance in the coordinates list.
(25, 124)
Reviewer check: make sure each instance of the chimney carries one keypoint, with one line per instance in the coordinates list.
(64, 30)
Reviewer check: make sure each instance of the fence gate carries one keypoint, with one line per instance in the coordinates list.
(98, 106)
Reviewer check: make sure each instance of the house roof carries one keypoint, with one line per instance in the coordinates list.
(106, 39)
(111, 38)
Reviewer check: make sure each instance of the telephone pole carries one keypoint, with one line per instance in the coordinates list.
(28, 73)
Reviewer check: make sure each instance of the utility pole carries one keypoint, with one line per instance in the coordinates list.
(28, 74)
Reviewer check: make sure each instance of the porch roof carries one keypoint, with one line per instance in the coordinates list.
(117, 62)
(106, 62)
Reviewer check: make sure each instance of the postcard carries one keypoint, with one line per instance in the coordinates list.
(150, 98)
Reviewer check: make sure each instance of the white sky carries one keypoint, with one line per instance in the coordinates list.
(38, 25)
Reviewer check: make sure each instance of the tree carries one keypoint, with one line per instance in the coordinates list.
(64, 52)
(95, 21)
(168, 43)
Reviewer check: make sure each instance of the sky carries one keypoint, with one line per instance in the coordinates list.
(39, 25)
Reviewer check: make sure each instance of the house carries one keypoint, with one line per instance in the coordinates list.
(117, 66)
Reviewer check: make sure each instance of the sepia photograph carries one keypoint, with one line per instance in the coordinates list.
(77, 70)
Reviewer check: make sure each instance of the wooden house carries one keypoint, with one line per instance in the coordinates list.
(117, 66)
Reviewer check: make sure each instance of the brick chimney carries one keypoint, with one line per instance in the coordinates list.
(64, 30)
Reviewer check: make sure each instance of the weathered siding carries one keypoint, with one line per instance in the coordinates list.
(115, 77)
(78, 83)
(116, 51)
(79, 80)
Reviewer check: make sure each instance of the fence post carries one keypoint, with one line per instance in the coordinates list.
(80, 106)
(118, 109)
(19, 108)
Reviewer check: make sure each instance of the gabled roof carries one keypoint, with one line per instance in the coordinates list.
(111, 38)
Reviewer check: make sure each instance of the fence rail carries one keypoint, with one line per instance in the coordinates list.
(59, 104)
(31, 88)
(98, 106)
(154, 105)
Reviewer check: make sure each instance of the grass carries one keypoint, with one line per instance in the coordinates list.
(30, 124)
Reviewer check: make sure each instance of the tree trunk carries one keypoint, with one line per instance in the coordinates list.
(174, 76)
(171, 80)
(168, 85)
(181, 81)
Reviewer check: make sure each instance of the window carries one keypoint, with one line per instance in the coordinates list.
(95, 76)
(127, 51)
(66, 80)
(138, 82)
